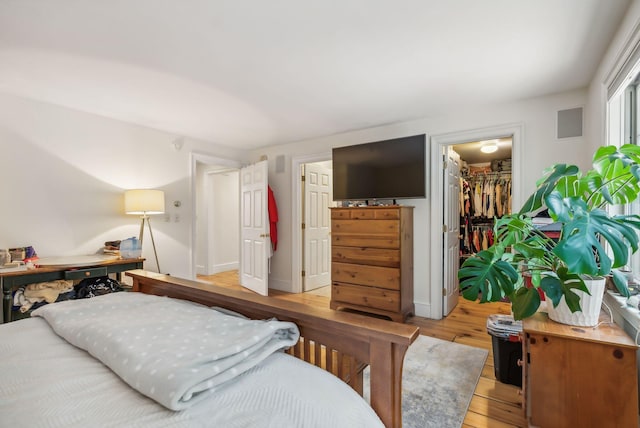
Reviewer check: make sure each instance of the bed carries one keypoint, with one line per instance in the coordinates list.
(46, 381)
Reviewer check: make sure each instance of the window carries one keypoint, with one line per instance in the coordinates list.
(623, 120)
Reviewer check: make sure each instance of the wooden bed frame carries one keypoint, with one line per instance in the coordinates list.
(340, 342)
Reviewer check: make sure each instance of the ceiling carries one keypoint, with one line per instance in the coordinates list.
(470, 152)
(253, 73)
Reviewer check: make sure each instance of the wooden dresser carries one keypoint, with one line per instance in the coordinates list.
(579, 376)
(372, 260)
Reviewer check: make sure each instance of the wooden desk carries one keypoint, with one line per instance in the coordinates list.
(80, 268)
(579, 376)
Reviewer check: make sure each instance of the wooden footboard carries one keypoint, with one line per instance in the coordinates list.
(342, 343)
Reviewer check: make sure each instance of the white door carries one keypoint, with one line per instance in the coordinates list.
(451, 230)
(254, 231)
(318, 194)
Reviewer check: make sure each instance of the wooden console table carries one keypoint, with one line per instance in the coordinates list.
(78, 267)
(579, 376)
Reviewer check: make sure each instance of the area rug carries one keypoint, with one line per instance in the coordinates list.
(438, 380)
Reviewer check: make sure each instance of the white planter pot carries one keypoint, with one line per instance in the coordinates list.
(590, 305)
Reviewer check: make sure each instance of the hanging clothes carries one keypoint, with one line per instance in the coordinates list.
(489, 195)
(499, 206)
(484, 197)
(477, 199)
(273, 219)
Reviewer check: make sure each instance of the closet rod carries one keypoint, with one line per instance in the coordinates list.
(488, 174)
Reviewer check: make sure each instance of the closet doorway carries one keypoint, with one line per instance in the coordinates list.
(484, 195)
(475, 187)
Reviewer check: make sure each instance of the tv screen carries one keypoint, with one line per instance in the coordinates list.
(389, 169)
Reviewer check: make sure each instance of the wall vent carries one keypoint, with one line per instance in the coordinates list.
(569, 123)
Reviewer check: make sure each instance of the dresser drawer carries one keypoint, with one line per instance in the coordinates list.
(364, 240)
(85, 273)
(387, 214)
(337, 214)
(372, 276)
(366, 213)
(388, 257)
(375, 227)
(378, 298)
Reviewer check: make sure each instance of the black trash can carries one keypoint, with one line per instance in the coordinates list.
(507, 348)
(506, 354)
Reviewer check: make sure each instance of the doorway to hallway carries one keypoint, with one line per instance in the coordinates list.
(311, 200)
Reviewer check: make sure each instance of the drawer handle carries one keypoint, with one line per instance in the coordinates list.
(520, 363)
(87, 274)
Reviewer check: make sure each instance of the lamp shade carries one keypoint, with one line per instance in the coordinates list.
(144, 201)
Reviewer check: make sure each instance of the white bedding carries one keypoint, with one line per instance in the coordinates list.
(171, 350)
(46, 382)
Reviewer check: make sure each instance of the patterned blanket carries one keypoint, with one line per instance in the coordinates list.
(173, 351)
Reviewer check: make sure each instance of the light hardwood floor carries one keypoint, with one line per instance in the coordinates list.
(494, 404)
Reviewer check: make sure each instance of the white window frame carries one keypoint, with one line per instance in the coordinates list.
(623, 116)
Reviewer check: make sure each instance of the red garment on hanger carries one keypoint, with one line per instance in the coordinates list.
(273, 218)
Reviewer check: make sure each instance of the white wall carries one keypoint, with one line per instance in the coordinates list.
(63, 174)
(626, 38)
(540, 149)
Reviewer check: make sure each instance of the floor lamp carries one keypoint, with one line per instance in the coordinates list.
(145, 202)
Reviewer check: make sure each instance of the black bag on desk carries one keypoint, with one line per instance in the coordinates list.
(92, 287)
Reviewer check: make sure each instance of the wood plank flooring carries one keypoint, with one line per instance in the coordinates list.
(494, 404)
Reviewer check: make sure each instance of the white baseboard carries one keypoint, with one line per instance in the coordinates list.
(223, 267)
(280, 285)
(423, 310)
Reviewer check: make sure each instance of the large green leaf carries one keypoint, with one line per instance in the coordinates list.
(631, 151)
(518, 232)
(616, 175)
(596, 192)
(619, 184)
(524, 302)
(581, 248)
(570, 186)
(532, 248)
(552, 289)
(564, 208)
(628, 154)
(487, 276)
(546, 185)
(562, 284)
(513, 229)
(621, 283)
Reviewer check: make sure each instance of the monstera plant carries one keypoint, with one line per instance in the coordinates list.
(593, 241)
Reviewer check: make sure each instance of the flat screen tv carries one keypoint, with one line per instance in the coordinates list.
(389, 169)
